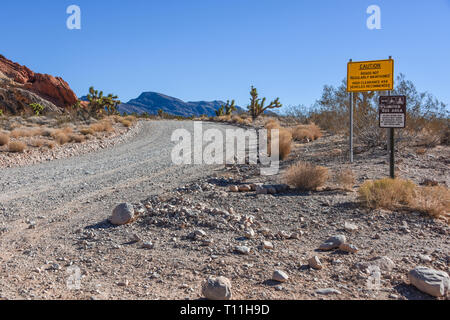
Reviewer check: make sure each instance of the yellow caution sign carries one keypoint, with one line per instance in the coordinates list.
(375, 75)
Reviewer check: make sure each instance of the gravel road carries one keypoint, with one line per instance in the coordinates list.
(56, 198)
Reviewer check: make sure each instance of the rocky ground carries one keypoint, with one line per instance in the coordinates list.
(189, 226)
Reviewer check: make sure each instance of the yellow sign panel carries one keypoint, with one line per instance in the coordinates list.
(370, 76)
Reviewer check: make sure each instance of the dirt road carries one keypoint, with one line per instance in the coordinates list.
(41, 205)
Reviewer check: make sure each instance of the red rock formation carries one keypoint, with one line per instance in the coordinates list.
(53, 89)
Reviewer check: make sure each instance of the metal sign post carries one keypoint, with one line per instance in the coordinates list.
(392, 114)
(351, 123)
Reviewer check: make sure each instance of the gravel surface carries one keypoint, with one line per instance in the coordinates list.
(53, 223)
(40, 205)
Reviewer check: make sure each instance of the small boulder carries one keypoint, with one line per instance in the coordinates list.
(234, 189)
(315, 263)
(333, 243)
(122, 214)
(280, 276)
(433, 282)
(217, 288)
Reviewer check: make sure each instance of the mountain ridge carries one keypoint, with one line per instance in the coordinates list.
(150, 102)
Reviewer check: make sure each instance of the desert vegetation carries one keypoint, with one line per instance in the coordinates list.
(399, 194)
(306, 177)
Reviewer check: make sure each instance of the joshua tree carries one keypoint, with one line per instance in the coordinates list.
(256, 108)
(220, 112)
(99, 103)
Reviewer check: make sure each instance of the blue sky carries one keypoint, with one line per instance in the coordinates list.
(210, 49)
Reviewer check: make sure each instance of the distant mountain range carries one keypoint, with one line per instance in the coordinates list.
(151, 102)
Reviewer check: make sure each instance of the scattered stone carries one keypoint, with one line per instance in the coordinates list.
(384, 263)
(122, 214)
(135, 238)
(123, 283)
(425, 258)
(280, 276)
(249, 233)
(433, 282)
(328, 291)
(148, 245)
(268, 245)
(242, 250)
(315, 263)
(350, 227)
(234, 189)
(333, 243)
(348, 248)
(217, 289)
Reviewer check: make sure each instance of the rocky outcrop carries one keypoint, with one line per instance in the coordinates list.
(21, 86)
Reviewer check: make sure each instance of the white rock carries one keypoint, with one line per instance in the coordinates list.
(333, 243)
(242, 249)
(122, 214)
(217, 289)
(315, 263)
(328, 291)
(268, 245)
(280, 276)
(433, 282)
(351, 227)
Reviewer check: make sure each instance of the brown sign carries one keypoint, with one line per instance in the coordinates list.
(392, 111)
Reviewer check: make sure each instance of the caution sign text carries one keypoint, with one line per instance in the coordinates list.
(370, 76)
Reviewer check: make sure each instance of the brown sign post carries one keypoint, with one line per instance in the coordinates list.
(392, 114)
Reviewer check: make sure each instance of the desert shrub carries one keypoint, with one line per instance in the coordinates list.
(433, 200)
(17, 146)
(306, 176)
(37, 108)
(272, 124)
(4, 139)
(425, 115)
(345, 179)
(50, 144)
(126, 123)
(26, 132)
(284, 142)
(37, 143)
(102, 126)
(387, 193)
(61, 137)
(77, 138)
(87, 131)
(395, 194)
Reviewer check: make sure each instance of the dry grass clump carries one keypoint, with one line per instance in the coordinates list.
(307, 133)
(77, 138)
(345, 179)
(395, 194)
(224, 118)
(306, 176)
(26, 132)
(87, 131)
(433, 200)
(102, 126)
(272, 124)
(4, 139)
(61, 137)
(37, 143)
(284, 142)
(17, 146)
(387, 193)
